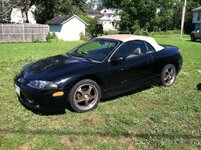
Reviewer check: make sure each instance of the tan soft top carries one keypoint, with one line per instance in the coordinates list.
(130, 37)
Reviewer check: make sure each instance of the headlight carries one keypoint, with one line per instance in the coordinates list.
(42, 85)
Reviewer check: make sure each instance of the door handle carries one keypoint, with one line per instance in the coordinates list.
(122, 69)
(150, 61)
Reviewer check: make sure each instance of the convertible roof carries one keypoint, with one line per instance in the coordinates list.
(130, 37)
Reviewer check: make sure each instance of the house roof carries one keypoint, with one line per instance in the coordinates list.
(110, 11)
(59, 20)
(197, 9)
(130, 37)
(94, 12)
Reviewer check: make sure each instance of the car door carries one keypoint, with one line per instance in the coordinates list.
(130, 66)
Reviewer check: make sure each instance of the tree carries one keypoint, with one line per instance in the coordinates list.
(169, 14)
(135, 14)
(94, 4)
(113, 3)
(51, 8)
(46, 10)
(24, 5)
(93, 27)
(79, 6)
(4, 11)
(154, 15)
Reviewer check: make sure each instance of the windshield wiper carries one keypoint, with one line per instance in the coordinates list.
(68, 54)
(81, 56)
(88, 59)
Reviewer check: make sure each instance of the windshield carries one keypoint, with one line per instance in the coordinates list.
(97, 49)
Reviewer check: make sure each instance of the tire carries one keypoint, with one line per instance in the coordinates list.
(168, 75)
(84, 96)
(193, 38)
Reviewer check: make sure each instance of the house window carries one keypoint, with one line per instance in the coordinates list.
(199, 15)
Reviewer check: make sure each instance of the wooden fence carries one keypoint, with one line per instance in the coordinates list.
(23, 32)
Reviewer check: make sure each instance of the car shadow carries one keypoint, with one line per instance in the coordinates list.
(103, 100)
(45, 113)
(197, 41)
(199, 87)
(111, 98)
(125, 134)
(53, 113)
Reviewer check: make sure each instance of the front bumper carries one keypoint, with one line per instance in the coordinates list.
(39, 100)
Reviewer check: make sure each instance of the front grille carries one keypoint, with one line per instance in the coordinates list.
(27, 100)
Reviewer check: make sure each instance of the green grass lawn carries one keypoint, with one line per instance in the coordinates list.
(156, 118)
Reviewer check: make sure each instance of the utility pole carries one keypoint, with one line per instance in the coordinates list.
(183, 18)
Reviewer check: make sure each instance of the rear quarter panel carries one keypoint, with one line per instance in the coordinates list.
(169, 55)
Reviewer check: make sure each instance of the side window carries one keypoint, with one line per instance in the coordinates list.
(150, 48)
(131, 49)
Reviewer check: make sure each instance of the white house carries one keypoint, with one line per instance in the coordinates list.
(110, 18)
(31, 14)
(107, 23)
(16, 16)
(197, 18)
(68, 27)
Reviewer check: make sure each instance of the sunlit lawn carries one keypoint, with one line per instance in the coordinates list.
(155, 118)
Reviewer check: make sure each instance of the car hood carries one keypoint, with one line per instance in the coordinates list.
(55, 67)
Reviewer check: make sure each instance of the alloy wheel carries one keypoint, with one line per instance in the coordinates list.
(85, 96)
(169, 76)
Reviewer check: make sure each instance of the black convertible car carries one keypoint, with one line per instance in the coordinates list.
(100, 68)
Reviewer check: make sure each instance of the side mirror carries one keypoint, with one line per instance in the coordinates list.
(117, 59)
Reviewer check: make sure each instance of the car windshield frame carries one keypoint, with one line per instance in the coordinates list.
(74, 52)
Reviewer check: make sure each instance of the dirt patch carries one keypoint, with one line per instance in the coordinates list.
(122, 141)
(125, 140)
(57, 121)
(103, 121)
(132, 147)
(95, 119)
(92, 118)
(67, 142)
(25, 146)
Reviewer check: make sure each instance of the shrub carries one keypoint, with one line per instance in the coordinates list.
(110, 32)
(93, 27)
(51, 37)
(168, 32)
